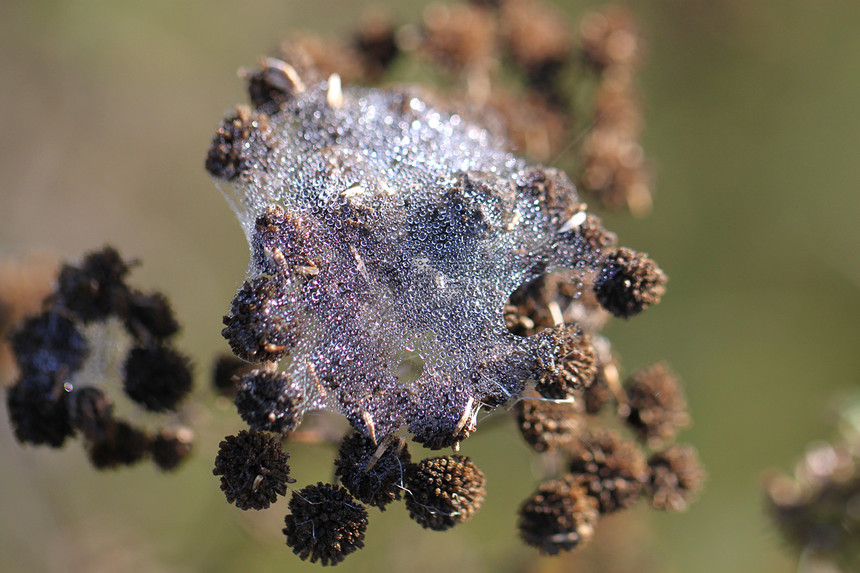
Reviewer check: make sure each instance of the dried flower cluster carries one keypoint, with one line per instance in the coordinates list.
(407, 271)
(93, 330)
(815, 509)
(604, 472)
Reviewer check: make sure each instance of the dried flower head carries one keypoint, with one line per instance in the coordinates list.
(253, 469)
(612, 468)
(325, 524)
(559, 516)
(570, 364)
(675, 478)
(267, 401)
(117, 444)
(96, 288)
(49, 342)
(256, 328)
(657, 408)
(228, 156)
(548, 425)
(373, 473)
(171, 447)
(444, 491)
(629, 282)
(157, 377)
(38, 410)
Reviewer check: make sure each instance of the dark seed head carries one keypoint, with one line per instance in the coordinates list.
(253, 469)
(559, 516)
(444, 491)
(267, 401)
(628, 283)
(256, 330)
(374, 480)
(157, 377)
(567, 363)
(546, 425)
(676, 477)
(120, 444)
(325, 524)
(38, 411)
(656, 402)
(612, 468)
(49, 343)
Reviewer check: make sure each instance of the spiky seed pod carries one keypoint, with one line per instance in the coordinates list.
(628, 283)
(444, 491)
(38, 410)
(547, 425)
(559, 516)
(150, 316)
(253, 469)
(120, 444)
(267, 401)
(567, 363)
(372, 479)
(156, 377)
(170, 448)
(676, 477)
(325, 524)
(256, 331)
(613, 469)
(97, 288)
(49, 343)
(656, 402)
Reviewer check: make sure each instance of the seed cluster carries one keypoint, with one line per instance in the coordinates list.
(95, 328)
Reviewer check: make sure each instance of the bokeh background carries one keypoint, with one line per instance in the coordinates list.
(754, 129)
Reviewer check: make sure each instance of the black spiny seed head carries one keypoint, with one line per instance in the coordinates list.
(256, 331)
(49, 343)
(559, 516)
(614, 469)
(253, 469)
(628, 283)
(657, 406)
(676, 477)
(121, 444)
(157, 377)
(38, 411)
(567, 364)
(444, 491)
(372, 479)
(267, 401)
(325, 524)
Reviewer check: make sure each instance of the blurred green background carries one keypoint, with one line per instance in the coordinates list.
(752, 124)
